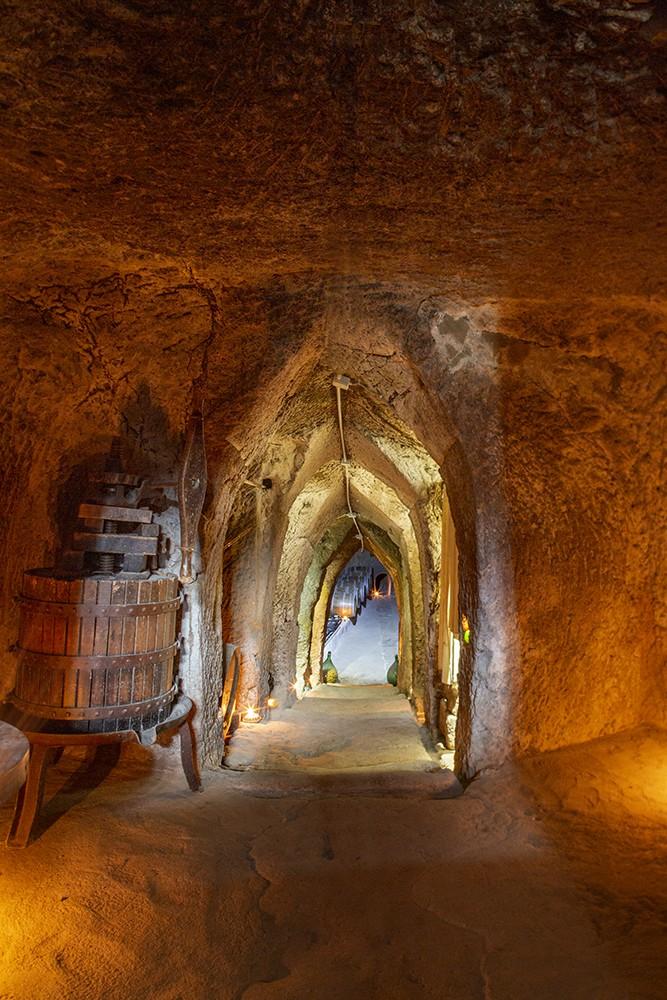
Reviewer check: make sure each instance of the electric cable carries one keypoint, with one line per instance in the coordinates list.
(339, 382)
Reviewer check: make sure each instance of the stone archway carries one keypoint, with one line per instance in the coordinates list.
(290, 537)
(378, 504)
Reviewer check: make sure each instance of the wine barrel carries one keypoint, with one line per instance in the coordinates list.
(97, 652)
(345, 602)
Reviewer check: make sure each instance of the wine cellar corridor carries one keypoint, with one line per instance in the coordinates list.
(332, 655)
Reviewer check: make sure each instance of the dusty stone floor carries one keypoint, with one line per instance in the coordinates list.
(544, 880)
(339, 727)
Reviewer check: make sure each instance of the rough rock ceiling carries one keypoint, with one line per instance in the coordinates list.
(308, 423)
(495, 146)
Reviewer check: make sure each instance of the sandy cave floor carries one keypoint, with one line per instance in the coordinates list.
(546, 879)
(339, 727)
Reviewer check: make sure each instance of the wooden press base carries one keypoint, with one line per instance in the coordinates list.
(44, 744)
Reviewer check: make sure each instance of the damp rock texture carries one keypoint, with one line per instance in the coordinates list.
(458, 207)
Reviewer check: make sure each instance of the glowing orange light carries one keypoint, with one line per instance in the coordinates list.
(251, 715)
(272, 703)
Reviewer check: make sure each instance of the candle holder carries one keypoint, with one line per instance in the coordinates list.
(251, 715)
(271, 705)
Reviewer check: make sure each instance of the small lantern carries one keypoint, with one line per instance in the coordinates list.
(251, 715)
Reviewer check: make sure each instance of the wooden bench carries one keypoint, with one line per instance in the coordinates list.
(46, 746)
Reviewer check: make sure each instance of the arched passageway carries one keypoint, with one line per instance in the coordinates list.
(362, 486)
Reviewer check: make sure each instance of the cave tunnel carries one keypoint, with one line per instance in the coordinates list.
(294, 296)
(363, 655)
(360, 481)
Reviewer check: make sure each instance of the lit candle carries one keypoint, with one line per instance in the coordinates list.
(251, 715)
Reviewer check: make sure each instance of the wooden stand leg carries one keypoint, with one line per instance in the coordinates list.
(188, 756)
(29, 798)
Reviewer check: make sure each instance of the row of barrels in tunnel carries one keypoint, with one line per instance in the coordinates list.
(362, 629)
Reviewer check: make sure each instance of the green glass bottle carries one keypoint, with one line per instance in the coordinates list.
(392, 673)
(329, 672)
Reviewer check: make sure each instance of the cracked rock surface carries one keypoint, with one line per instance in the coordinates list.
(545, 880)
(320, 132)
